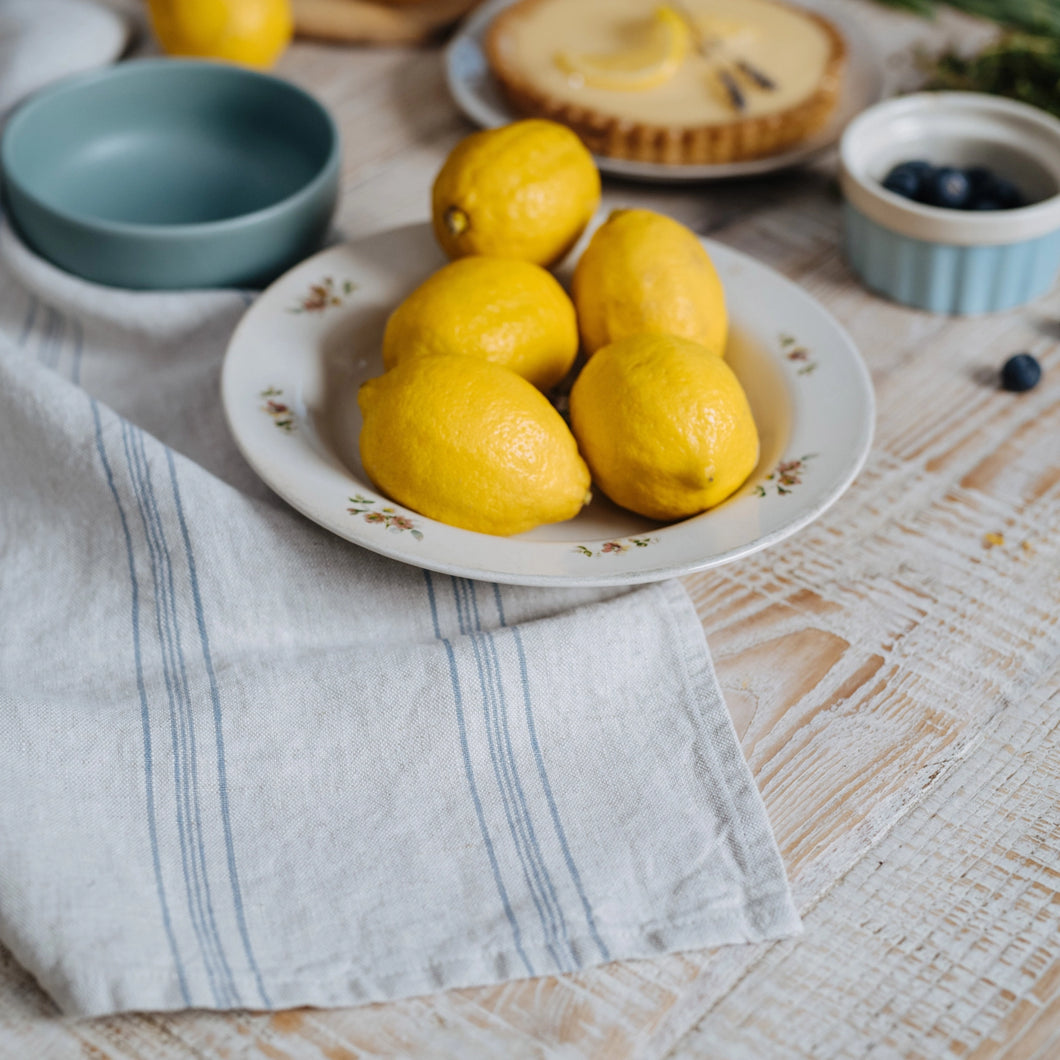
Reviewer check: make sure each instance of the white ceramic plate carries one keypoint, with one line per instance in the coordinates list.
(478, 95)
(289, 389)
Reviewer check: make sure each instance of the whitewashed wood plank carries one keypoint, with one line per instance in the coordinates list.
(944, 940)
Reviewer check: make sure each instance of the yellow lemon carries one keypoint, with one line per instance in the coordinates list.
(513, 313)
(645, 272)
(525, 190)
(251, 32)
(644, 65)
(664, 425)
(472, 444)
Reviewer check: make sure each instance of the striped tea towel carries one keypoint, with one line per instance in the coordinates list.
(245, 763)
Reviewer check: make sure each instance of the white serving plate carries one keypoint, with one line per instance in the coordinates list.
(289, 390)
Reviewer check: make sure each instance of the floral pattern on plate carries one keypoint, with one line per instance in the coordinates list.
(323, 295)
(785, 476)
(374, 511)
(280, 412)
(614, 547)
(795, 352)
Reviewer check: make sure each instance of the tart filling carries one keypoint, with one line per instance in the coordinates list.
(685, 82)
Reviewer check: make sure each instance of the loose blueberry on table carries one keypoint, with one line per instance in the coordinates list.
(1020, 372)
(953, 187)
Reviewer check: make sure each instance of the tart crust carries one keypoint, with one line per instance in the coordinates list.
(740, 138)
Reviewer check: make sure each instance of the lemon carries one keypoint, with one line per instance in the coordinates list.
(664, 425)
(513, 313)
(251, 32)
(637, 68)
(524, 190)
(645, 272)
(469, 443)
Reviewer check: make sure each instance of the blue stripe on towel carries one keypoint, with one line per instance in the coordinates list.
(505, 767)
(470, 772)
(185, 701)
(152, 825)
(79, 350)
(551, 895)
(233, 874)
(52, 339)
(30, 320)
(542, 773)
(200, 864)
(502, 771)
(181, 727)
(177, 722)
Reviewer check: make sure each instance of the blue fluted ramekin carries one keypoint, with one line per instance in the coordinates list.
(952, 261)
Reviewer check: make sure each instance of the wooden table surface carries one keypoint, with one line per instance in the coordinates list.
(894, 677)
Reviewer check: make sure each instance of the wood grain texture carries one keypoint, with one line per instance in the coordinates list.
(943, 940)
(892, 676)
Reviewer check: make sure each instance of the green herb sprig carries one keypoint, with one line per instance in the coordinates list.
(1023, 64)
(1019, 65)
(1029, 16)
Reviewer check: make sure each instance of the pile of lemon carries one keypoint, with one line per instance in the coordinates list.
(460, 428)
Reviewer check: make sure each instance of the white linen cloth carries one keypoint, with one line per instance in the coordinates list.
(246, 763)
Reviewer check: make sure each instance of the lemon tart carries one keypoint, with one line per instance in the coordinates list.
(680, 82)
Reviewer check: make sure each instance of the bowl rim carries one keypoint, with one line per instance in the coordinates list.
(936, 223)
(24, 112)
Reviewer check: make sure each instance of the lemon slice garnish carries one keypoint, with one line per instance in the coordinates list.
(713, 28)
(635, 69)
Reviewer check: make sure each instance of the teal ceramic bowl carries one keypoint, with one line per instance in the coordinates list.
(172, 173)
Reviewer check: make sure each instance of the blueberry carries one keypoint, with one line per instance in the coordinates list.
(1007, 194)
(902, 182)
(907, 178)
(971, 188)
(980, 179)
(1020, 372)
(918, 165)
(948, 187)
(991, 192)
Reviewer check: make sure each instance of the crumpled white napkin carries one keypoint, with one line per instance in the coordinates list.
(43, 40)
(245, 763)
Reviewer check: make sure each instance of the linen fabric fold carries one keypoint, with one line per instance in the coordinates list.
(244, 763)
